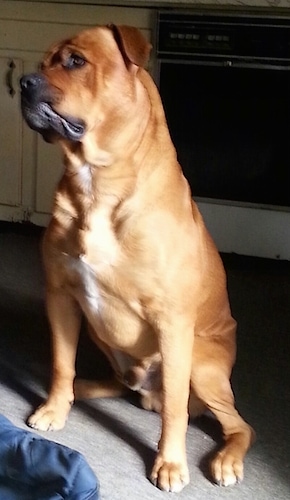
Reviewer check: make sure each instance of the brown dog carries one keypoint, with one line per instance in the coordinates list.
(127, 247)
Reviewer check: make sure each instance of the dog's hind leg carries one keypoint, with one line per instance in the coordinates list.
(210, 382)
(90, 389)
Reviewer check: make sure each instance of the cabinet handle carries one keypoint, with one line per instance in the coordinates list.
(9, 78)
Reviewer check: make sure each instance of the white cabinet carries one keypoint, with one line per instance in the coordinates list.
(10, 133)
(29, 167)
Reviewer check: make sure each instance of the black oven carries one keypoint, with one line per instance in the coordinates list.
(224, 81)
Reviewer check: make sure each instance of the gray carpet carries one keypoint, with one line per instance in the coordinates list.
(116, 436)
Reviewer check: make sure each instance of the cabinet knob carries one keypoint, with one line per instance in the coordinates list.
(9, 78)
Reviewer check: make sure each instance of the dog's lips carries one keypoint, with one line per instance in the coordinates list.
(69, 127)
(43, 118)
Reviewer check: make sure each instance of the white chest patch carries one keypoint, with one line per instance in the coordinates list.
(85, 178)
(86, 289)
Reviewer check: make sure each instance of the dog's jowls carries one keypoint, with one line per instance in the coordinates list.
(127, 247)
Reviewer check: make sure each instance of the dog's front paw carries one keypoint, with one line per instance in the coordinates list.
(169, 476)
(226, 469)
(48, 417)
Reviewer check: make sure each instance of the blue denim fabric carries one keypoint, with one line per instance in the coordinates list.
(33, 468)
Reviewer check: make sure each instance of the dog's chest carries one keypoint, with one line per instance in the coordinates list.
(97, 255)
(82, 282)
(100, 246)
(95, 272)
(115, 315)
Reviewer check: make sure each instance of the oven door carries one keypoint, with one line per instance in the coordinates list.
(229, 120)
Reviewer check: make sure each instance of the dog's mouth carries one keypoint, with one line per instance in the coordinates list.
(67, 126)
(45, 120)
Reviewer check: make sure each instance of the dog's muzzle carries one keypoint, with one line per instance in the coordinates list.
(37, 108)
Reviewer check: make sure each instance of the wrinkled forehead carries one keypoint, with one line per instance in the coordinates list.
(91, 44)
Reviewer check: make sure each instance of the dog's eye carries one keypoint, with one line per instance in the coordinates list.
(74, 61)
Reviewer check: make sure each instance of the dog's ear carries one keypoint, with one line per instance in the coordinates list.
(133, 46)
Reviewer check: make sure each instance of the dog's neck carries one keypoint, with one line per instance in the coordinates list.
(103, 178)
(86, 189)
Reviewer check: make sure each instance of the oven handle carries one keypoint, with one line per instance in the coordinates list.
(229, 63)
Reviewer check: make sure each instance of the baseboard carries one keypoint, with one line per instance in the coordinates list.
(26, 228)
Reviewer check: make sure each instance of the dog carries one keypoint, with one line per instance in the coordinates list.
(128, 249)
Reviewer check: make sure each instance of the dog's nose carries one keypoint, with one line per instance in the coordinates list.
(30, 82)
(34, 88)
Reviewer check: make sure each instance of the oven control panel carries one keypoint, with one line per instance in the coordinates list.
(187, 35)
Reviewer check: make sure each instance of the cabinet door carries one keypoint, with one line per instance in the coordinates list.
(49, 168)
(10, 132)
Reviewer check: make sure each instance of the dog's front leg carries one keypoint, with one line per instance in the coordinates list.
(65, 318)
(170, 471)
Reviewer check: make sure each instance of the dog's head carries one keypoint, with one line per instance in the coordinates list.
(84, 83)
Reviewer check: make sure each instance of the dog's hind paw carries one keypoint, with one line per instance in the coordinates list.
(227, 470)
(227, 467)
